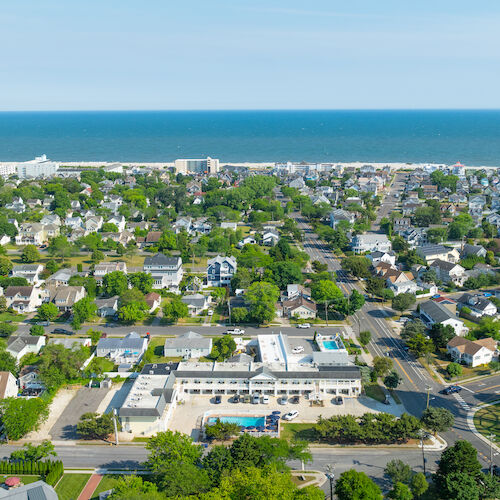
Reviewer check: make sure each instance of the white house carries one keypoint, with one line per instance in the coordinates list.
(29, 271)
(188, 345)
(20, 345)
(167, 272)
(338, 215)
(270, 238)
(387, 257)
(479, 306)
(472, 353)
(100, 270)
(433, 312)
(449, 272)
(126, 350)
(430, 253)
(23, 299)
(247, 240)
(362, 243)
(107, 307)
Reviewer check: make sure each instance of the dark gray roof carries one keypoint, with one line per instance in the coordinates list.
(39, 490)
(131, 341)
(159, 368)
(196, 300)
(443, 264)
(436, 311)
(433, 249)
(188, 340)
(161, 260)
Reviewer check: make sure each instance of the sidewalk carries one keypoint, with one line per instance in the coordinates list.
(90, 487)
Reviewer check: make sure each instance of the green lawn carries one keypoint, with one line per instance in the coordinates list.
(298, 431)
(107, 483)
(155, 348)
(374, 391)
(487, 420)
(71, 485)
(26, 479)
(16, 318)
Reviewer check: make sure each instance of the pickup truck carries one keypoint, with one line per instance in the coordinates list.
(235, 331)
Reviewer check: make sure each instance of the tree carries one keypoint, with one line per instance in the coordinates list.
(20, 416)
(357, 266)
(83, 310)
(418, 484)
(403, 301)
(419, 345)
(222, 431)
(354, 485)
(382, 365)
(5, 266)
(374, 285)
(7, 329)
(3, 304)
(114, 283)
(33, 453)
(142, 281)
(454, 370)
(219, 294)
(437, 419)
(170, 448)
(134, 487)
(131, 295)
(392, 380)
(326, 292)
(8, 362)
(262, 297)
(132, 312)
(59, 365)
(216, 461)
(429, 276)
(285, 272)
(97, 256)
(398, 471)
(94, 335)
(356, 301)
(37, 330)
(387, 294)
(239, 315)
(47, 312)
(109, 227)
(412, 328)
(95, 426)
(175, 309)
(365, 337)
(318, 266)
(441, 334)
(30, 254)
(400, 492)
(223, 348)
(60, 247)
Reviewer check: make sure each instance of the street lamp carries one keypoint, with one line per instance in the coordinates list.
(423, 435)
(330, 474)
(492, 438)
(428, 389)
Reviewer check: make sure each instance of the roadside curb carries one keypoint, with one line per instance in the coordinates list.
(319, 478)
(472, 427)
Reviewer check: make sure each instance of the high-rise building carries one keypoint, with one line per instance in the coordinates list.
(197, 166)
(7, 169)
(39, 167)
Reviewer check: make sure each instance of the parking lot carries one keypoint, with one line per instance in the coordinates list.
(85, 401)
(187, 415)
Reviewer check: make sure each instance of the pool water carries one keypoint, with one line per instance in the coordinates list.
(242, 421)
(330, 345)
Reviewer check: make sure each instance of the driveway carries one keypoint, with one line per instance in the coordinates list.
(85, 401)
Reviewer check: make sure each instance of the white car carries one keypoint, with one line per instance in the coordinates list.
(304, 325)
(210, 312)
(291, 415)
(297, 350)
(235, 331)
(265, 399)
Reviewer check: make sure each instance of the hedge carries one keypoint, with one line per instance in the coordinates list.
(52, 471)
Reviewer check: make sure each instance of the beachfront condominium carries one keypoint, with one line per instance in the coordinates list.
(39, 167)
(197, 166)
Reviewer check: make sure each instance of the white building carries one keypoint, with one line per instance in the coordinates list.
(362, 243)
(188, 345)
(39, 167)
(20, 345)
(7, 169)
(126, 350)
(433, 312)
(472, 353)
(167, 272)
(197, 165)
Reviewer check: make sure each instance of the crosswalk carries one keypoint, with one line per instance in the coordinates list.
(461, 402)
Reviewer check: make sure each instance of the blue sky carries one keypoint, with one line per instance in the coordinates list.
(249, 54)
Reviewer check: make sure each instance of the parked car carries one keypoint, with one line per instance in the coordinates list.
(217, 400)
(265, 399)
(339, 400)
(295, 400)
(256, 399)
(236, 398)
(283, 400)
(291, 415)
(235, 331)
(210, 312)
(62, 331)
(451, 389)
(247, 398)
(43, 323)
(303, 325)
(297, 349)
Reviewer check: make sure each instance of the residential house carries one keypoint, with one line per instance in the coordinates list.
(17, 205)
(64, 297)
(73, 222)
(362, 243)
(270, 238)
(387, 257)
(472, 352)
(298, 307)
(151, 239)
(478, 305)
(8, 385)
(294, 290)
(183, 224)
(119, 221)
(476, 206)
(400, 282)
(220, 271)
(107, 307)
(188, 345)
(51, 219)
(430, 253)
(29, 378)
(128, 350)
(19, 345)
(31, 233)
(432, 312)
(196, 303)
(473, 250)
(401, 224)
(100, 270)
(167, 272)
(153, 300)
(31, 272)
(23, 299)
(414, 236)
(297, 183)
(38, 490)
(339, 214)
(93, 224)
(60, 278)
(449, 272)
(229, 225)
(201, 226)
(247, 240)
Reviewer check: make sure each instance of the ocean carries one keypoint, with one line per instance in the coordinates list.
(471, 137)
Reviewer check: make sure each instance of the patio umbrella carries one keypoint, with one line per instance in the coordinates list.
(250, 428)
(276, 412)
(261, 428)
(270, 427)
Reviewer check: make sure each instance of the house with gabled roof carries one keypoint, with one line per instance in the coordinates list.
(472, 352)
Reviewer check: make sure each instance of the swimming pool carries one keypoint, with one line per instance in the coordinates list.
(331, 345)
(242, 421)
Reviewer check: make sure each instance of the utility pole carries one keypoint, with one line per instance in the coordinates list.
(423, 435)
(491, 437)
(330, 474)
(428, 389)
(116, 427)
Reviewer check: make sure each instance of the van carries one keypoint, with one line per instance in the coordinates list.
(256, 399)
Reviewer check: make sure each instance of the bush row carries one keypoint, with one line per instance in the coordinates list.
(50, 470)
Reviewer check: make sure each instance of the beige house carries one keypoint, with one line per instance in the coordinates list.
(472, 353)
(8, 385)
(23, 299)
(298, 307)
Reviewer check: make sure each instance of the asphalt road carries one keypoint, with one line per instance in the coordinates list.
(416, 382)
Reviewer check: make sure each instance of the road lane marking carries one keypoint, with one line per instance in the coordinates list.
(488, 388)
(404, 371)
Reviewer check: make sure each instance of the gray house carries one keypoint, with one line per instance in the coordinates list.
(39, 490)
(107, 307)
(196, 303)
(190, 345)
(127, 350)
